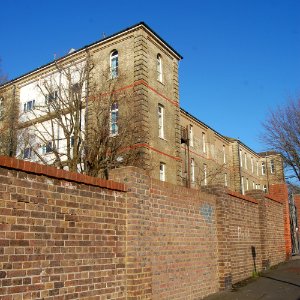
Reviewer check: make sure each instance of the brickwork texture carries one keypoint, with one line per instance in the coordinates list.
(70, 236)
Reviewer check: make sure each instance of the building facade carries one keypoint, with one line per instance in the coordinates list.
(173, 145)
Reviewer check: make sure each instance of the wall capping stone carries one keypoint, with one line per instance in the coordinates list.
(39, 169)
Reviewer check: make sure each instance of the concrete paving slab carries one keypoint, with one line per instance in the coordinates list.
(280, 283)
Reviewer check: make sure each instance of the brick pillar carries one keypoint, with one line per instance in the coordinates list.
(138, 266)
(223, 234)
(280, 191)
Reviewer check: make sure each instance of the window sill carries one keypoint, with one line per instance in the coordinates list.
(162, 138)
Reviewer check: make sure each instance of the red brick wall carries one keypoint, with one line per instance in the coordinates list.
(60, 239)
(244, 234)
(82, 237)
(173, 245)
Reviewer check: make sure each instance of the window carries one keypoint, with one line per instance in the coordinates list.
(205, 174)
(161, 132)
(1, 107)
(252, 165)
(114, 64)
(159, 67)
(247, 184)
(225, 180)
(265, 188)
(72, 140)
(263, 168)
(257, 172)
(191, 136)
(114, 110)
(29, 105)
(272, 166)
(224, 155)
(241, 159)
(27, 153)
(246, 164)
(242, 186)
(49, 98)
(203, 143)
(47, 148)
(192, 170)
(162, 171)
(253, 185)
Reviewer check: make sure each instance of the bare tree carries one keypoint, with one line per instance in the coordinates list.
(77, 127)
(3, 77)
(282, 134)
(8, 117)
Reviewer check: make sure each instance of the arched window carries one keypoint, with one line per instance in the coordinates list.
(114, 63)
(159, 67)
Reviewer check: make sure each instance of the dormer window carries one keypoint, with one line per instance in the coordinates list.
(159, 68)
(114, 64)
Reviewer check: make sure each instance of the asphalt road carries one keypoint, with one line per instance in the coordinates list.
(279, 283)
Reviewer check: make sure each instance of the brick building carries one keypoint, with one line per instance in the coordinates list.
(174, 146)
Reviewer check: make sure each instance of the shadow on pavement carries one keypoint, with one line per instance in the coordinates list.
(281, 281)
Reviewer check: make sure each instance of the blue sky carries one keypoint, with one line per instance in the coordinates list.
(241, 57)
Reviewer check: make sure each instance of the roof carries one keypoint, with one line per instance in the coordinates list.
(143, 24)
(202, 123)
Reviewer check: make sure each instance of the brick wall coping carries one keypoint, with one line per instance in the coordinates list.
(243, 197)
(273, 198)
(39, 169)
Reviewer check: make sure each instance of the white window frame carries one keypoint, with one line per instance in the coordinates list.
(114, 64)
(224, 155)
(252, 165)
(242, 185)
(161, 117)
(162, 171)
(191, 135)
(1, 107)
(272, 166)
(203, 142)
(241, 158)
(192, 170)
(265, 189)
(257, 168)
(47, 148)
(247, 184)
(27, 153)
(246, 163)
(225, 179)
(263, 168)
(50, 97)
(205, 173)
(114, 116)
(29, 106)
(159, 68)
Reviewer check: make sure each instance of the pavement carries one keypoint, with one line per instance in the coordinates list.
(279, 283)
